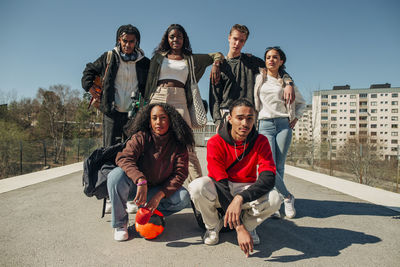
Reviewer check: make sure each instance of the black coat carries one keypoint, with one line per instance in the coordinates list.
(98, 68)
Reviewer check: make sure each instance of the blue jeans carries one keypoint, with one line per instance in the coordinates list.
(279, 136)
(120, 187)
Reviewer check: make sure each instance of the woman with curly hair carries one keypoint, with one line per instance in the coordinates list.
(152, 167)
(169, 80)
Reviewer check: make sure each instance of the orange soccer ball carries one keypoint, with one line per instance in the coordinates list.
(153, 228)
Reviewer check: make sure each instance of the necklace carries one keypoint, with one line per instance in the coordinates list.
(174, 56)
(241, 156)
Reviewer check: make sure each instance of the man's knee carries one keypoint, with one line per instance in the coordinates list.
(275, 199)
(198, 187)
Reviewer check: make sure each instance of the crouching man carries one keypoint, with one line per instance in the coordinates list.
(233, 156)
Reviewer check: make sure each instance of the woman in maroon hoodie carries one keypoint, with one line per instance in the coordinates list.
(152, 167)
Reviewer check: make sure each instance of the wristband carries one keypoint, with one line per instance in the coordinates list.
(143, 182)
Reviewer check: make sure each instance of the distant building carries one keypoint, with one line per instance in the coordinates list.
(302, 132)
(344, 113)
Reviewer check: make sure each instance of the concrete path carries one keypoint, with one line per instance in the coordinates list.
(53, 223)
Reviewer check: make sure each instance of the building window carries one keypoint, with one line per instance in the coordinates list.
(353, 96)
(352, 126)
(333, 111)
(395, 103)
(373, 134)
(363, 118)
(324, 117)
(373, 125)
(394, 126)
(395, 118)
(394, 149)
(333, 96)
(373, 95)
(333, 133)
(333, 104)
(324, 103)
(352, 133)
(352, 111)
(394, 133)
(324, 96)
(363, 110)
(333, 118)
(395, 95)
(373, 118)
(363, 95)
(352, 118)
(325, 132)
(333, 125)
(353, 104)
(395, 110)
(374, 110)
(324, 111)
(374, 103)
(394, 141)
(324, 125)
(363, 103)
(363, 125)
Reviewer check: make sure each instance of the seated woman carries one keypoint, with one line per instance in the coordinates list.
(169, 80)
(152, 167)
(276, 118)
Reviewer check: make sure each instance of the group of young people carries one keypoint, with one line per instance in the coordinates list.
(244, 166)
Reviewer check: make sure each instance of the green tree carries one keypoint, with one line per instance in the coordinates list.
(11, 134)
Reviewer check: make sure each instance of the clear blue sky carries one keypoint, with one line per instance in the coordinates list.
(47, 42)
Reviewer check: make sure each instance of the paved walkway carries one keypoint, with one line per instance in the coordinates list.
(53, 223)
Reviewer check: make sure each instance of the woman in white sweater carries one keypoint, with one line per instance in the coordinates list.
(276, 117)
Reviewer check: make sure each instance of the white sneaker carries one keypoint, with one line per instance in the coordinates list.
(211, 237)
(256, 238)
(131, 207)
(108, 207)
(121, 233)
(290, 211)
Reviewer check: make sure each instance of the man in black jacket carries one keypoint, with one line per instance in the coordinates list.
(237, 80)
(234, 157)
(125, 77)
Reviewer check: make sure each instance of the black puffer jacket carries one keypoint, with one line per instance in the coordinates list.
(99, 67)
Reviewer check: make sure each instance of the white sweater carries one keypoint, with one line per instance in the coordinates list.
(269, 102)
(126, 83)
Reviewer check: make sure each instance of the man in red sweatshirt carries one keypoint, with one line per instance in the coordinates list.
(233, 156)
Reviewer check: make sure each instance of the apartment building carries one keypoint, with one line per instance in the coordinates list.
(303, 132)
(343, 113)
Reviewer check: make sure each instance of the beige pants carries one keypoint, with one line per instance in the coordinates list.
(176, 97)
(204, 196)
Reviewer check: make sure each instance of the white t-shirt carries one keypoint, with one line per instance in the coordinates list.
(172, 69)
(271, 98)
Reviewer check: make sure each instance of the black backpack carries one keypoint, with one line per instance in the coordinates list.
(96, 167)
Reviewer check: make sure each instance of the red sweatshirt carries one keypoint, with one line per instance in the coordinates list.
(221, 154)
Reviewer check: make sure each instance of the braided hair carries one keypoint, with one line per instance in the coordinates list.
(128, 29)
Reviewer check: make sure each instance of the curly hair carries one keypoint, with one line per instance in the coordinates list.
(128, 29)
(178, 128)
(164, 45)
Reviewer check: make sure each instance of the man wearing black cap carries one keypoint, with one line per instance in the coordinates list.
(125, 69)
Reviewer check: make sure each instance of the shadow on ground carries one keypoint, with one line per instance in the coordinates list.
(328, 208)
(309, 242)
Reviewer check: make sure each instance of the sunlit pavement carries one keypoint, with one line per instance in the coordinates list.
(52, 223)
